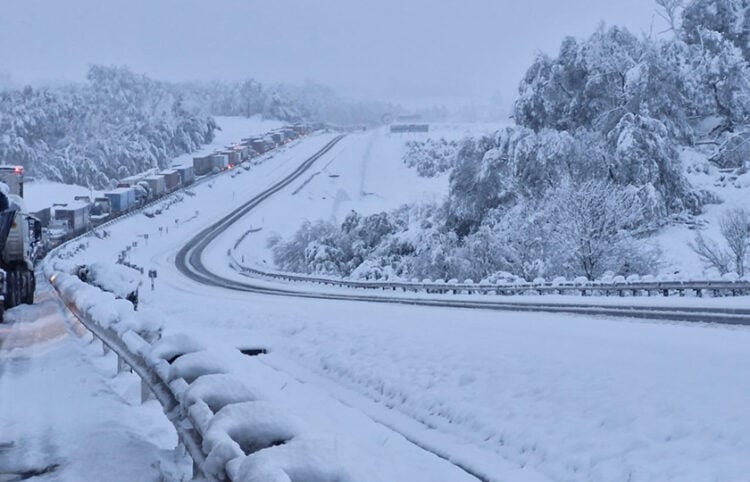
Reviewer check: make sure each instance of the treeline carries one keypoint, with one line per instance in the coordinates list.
(115, 124)
(119, 123)
(592, 166)
(291, 103)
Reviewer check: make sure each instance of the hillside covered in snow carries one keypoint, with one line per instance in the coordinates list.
(119, 123)
(611, 139)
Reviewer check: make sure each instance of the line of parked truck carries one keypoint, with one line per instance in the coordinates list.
(64, 221)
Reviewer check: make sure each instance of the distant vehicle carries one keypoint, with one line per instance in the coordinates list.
(157, 185)
(122, 199)
(211, 163)
(187, 174)
(172, 179)
(401, 128)
(101, 210)
(14, 178)
(76, 215)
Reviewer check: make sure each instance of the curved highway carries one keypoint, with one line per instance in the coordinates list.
(189, 262)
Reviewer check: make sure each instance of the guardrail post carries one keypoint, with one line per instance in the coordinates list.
(122, 366)
(666, 292)
(105, 348)
(699, 293)
(146, 393)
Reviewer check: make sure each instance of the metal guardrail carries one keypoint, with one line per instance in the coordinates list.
(646, 288)
(152, 382)
(205, 423)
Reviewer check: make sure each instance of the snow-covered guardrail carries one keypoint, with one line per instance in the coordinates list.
(715, 288)
(219, 420)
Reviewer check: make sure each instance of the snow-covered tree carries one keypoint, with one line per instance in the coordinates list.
(118, 123)
(594, 225)
(734, 226)
(729, 18)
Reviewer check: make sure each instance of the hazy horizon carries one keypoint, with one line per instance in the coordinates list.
(417, 50)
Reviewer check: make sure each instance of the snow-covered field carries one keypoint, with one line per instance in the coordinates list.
(514, 396)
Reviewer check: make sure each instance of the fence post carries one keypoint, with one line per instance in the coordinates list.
(146, 393)
(122, 365)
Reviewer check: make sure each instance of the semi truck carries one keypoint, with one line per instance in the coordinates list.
(20, 241)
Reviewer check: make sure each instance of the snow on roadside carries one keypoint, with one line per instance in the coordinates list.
(65, 411)
(573, 397)
(275, 428)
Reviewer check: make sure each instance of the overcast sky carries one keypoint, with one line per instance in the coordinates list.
(387, 49)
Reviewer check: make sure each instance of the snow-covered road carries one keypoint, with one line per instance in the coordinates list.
(511, 396)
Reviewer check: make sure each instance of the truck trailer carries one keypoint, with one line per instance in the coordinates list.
(187, 174)
(121, 200)
(171, 179)
(203, 165)
(75, 215)
(157, 185)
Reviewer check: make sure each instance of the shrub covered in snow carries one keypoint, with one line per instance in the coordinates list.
(431, 157)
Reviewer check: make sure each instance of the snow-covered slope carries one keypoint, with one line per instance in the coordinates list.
(732, 188)
(364, 172)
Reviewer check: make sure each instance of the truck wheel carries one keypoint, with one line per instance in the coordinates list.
(29, 287)
(12, 297)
